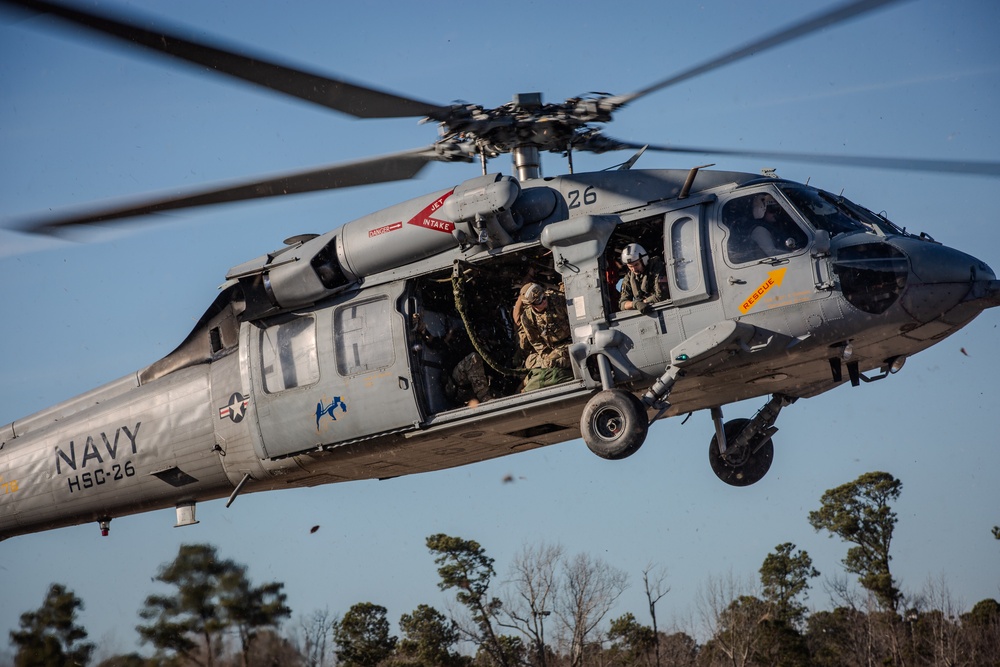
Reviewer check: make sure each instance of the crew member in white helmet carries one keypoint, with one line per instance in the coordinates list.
(646, 280)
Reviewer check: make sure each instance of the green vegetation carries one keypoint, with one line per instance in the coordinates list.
(212, 596)
(859, 512)
(552, 610)
(49, 635)
(362, 636)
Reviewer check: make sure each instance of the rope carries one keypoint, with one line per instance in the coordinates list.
(461, 304)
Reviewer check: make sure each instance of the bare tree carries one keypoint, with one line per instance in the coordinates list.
(934, 631)
(590, 589)
(532, 587)
(731, 613)
(313, 638)
(849, 634)
(654, 580)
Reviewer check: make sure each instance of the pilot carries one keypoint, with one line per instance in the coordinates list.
(770, 220)
(646, 280)
(546, 333)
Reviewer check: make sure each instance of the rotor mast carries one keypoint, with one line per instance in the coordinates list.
(526, 156)
(527, 162)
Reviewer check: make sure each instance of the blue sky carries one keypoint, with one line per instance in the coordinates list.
(83, 120)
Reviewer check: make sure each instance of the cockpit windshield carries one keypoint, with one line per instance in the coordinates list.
(824, 211)
(879, 223)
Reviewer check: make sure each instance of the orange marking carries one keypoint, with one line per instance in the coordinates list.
(774, 279)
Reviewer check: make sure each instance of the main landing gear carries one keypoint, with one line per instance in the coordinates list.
(614, 424)
(741, 449)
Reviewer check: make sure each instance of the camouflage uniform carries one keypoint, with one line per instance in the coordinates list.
(469, 380)
(649, 286)
(547, 334)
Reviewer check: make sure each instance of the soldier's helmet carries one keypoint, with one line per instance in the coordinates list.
(532, 293)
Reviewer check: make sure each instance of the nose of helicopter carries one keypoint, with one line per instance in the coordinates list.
(943, 279)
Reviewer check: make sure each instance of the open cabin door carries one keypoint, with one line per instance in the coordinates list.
(330, 375)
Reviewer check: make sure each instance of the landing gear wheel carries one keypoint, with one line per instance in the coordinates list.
(740, 467)
(614, 424)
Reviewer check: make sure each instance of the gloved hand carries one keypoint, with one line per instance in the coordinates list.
(642, 306)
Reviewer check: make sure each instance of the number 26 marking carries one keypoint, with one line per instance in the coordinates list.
(589, 197)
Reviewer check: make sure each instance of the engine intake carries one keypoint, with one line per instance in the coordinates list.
(477, 211)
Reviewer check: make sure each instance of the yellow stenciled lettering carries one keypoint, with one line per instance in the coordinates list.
(774, 279)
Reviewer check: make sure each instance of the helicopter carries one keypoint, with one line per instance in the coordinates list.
(321, 361)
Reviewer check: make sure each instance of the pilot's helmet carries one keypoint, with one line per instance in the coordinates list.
(760, 205)
(633, 252)
(532, 293)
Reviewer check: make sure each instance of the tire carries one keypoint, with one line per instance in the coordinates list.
(614, 424)
(745, 472)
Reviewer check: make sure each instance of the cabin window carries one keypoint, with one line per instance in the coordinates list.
(684, 248)
(363, 337)
(759, 227)
(288, 354)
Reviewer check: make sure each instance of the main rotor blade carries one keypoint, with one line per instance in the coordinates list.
(385, 168)
(348, 98)
(836, 15)
(974, 167)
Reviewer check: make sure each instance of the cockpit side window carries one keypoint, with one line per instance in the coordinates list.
(823, 212)
(759, 227)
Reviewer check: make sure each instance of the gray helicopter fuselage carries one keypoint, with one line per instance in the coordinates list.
(329, 359)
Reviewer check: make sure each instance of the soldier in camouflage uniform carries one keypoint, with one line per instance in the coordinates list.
(646, 280)
(469, 383)
(546, 334)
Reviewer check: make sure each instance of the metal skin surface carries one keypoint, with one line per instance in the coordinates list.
(365, 399)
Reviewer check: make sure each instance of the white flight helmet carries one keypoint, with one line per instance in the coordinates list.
(760, 205)
(633, 252)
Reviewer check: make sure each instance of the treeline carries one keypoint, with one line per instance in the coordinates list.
(553, 610)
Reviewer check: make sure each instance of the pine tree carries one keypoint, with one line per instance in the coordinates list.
(49, 636)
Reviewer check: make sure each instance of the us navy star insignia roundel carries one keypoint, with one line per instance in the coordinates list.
(236, 409)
